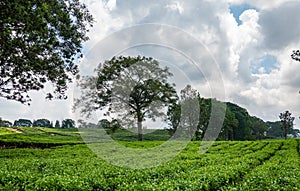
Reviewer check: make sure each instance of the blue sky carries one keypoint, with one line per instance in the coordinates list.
(237, 10)
(264, 65)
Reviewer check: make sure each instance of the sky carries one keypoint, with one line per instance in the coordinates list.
(233, 50)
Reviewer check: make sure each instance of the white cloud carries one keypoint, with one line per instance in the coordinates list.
(176, 6)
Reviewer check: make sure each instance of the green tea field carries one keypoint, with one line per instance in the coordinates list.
(57, 159)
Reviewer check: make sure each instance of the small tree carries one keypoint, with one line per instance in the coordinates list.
(68, 123)
(41, 123)
(286, 122)
(132, 88)
(57, 125)
(23, 123)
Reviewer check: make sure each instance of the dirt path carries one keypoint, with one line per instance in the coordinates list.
(15, 130)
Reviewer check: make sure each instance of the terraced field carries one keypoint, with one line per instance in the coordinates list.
(247, 165)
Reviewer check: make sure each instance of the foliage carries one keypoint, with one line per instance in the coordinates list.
(132, 88)
(184, 114)
(286, 122)
(237, 125)
(229, 126)
(258, 128)
(274, 129)
(190, 109)
(296, 55)
(57, 125)
(40, 42)
(23, 123)
(68, 123)
(5, 123)
(41, 123)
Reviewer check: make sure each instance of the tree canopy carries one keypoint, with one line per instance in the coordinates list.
(40, 42)
(131, 88)
(287, 122)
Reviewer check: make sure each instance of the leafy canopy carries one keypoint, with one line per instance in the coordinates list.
(40, 42)
(129, 87)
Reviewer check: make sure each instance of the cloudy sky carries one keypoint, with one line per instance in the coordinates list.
(233, 50)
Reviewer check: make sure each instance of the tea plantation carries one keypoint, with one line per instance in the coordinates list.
(57, 159)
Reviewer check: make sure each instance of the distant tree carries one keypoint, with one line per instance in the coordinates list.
(274, 129)
(41, 123)
(22, 123)
(57, 125)
(189, 109)
(132, 88)
(286, 122)
(40, 42)
(205, 113)
(81, 123)
(5, 123)
(229, 125)
(173, 116)
(68, 123)
(243, 131)
(114, 125)
(104, 123)
(258, 128)
(295, 133)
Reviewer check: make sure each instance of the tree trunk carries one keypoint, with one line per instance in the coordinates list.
(285, 133)
(140, 131)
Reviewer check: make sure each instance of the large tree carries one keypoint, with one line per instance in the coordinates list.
(130, 88)
(40, 42)
(287, 122)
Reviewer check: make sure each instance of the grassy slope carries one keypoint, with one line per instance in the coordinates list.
(47, 137)
(38, 137)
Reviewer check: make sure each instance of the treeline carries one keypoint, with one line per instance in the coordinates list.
(66, 123)
(237, 124)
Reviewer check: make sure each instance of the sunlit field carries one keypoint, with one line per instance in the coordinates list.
(234, 165)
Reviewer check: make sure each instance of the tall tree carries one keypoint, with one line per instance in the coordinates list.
(287, 122)
(189, 109)
(229, 126)
(40, 42)
(132, 88)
